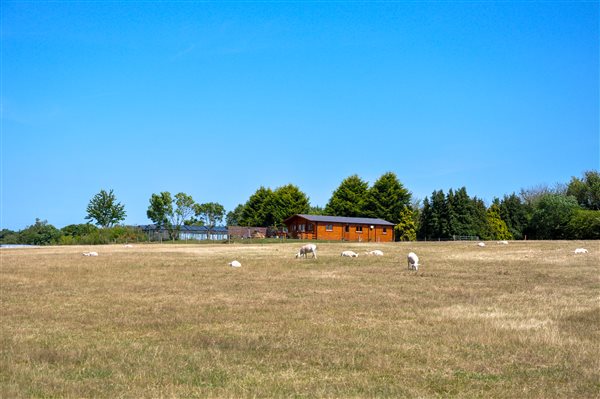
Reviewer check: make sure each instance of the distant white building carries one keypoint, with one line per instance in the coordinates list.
(201, 233)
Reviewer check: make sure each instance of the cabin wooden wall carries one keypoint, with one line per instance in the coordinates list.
(338, 232)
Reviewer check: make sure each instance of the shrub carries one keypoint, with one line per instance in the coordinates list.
(78, 230)
(552, 215)
(39, 233)
(9, 237)
(584, 225)
(86, 234)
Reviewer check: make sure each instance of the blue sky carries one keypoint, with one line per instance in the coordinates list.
(216, 99)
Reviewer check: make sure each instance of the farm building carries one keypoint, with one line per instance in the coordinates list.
(317, 227)
(187, 232)
(247, 232)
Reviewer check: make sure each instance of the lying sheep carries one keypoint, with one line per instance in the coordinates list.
(375, 252)
(413, 261)
(90, 254)
(503, 242)
(481, 244)
(581, 251)
(235, 263)
(308, 248)
(350, 254)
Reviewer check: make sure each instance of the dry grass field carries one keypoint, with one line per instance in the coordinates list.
(505, 321)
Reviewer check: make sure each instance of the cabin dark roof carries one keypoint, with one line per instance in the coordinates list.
(343, 220)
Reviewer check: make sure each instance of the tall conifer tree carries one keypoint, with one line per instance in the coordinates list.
(387, 199)
(349, 198)
(256, 210)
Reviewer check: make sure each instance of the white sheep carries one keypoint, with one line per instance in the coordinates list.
(481, 244)
(350, 254)
(503, 242)
(375, 252)
(308, 248)
(90, 254)
(127, 246)
(581, 251)
(413, 261)
(235, 263)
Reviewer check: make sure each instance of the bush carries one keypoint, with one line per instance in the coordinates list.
(551, 217)
(9, 237)
(86, 234)
(78, 230)
(39, 233)
(498, 228)
(584, 225)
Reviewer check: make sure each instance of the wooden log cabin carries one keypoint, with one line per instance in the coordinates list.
(317, 227)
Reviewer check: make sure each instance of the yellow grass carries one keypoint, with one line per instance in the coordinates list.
(505, 321)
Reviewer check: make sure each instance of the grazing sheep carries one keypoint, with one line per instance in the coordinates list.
(503, 242)
(90, 254)
(350, 254)
(481, 244)
(375, 252)
(413, 261)
(312, 248)
(235, 263)
(581, 251)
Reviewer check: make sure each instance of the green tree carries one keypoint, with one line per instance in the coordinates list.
(256, 210)
(105, 210)
(211, 214)
(584, 225)
(316, 210)
(439, 225)
(426, 228)
(432, 222)
(349, 198)
(552, 215)
(586, 190)
(462, 222)
(498, 228)
(287, 201)
(39, 233)
(450, 216)
(415, 206)
(234, 217)
(514, 213)
(171, 212)
(78, 230)
(9, 237)
(183, 211)
(532, 195)
(481, 227)
(160, 209)
(405, 229)
(387, 199)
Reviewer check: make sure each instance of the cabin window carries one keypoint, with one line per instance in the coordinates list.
(329, 227)
(347, 228)
(385, 230)
(310, 227)
(301, 227)
(294, 227)
(359, 229)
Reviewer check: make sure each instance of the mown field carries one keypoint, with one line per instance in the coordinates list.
(505, 321)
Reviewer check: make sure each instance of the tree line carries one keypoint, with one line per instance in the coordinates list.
(567, 211)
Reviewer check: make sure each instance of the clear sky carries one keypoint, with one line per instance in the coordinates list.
(216, 99)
